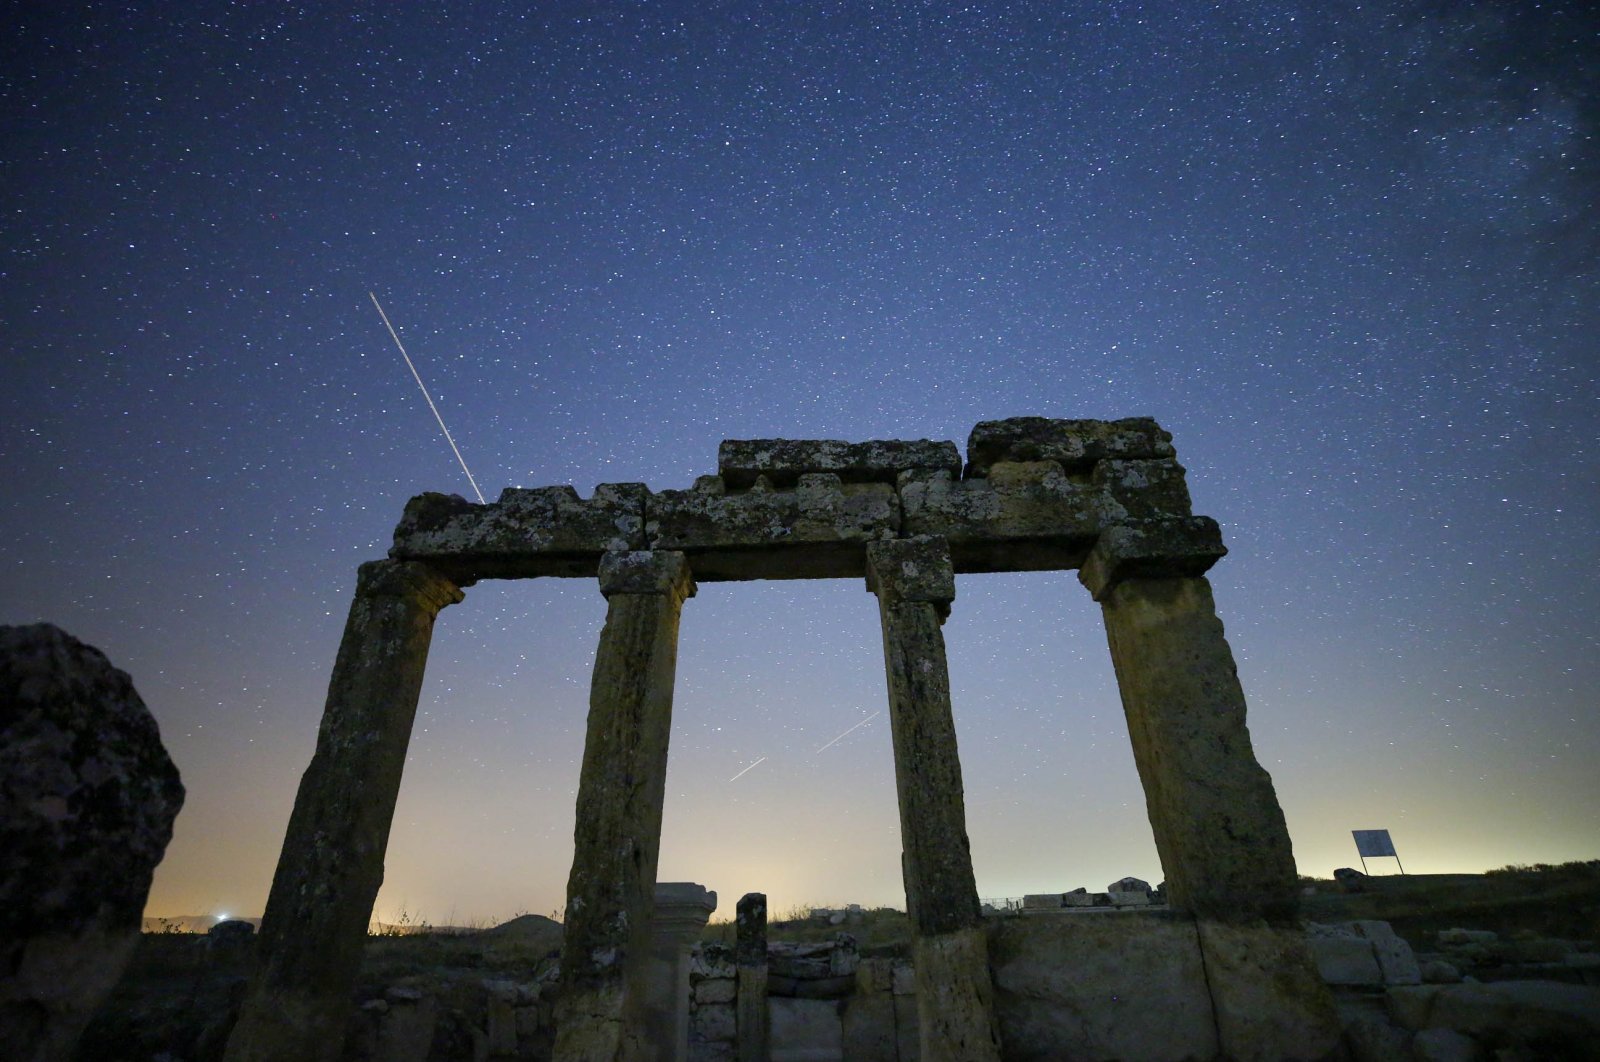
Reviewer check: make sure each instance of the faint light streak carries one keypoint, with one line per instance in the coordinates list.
(418, 377)
(747, 770)
(847, 733)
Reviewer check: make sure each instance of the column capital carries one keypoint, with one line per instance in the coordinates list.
(430, 587)
(919, 569)
(646, 571)
(1152, 549)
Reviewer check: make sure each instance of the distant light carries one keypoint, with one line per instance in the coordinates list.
(222, 918)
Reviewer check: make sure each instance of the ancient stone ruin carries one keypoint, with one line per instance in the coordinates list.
(1106, 498)
(87, 799)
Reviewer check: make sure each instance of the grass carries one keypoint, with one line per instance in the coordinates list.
(879, 929)
(1560, 901)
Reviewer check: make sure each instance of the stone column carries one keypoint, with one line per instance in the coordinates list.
(1213, 812)
(618, 831)
(682, 909)
(1215, 817)
(328, 875)
(750, 958)
(915, 584)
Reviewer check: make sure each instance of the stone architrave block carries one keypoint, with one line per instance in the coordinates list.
(1075, 444)
(1147, 489)
(817, 529)
(1023, 516)
(1079, 899)
(741, 462)
(1152, 549)
(1396, 960)
(527, 532)
(1042, 901)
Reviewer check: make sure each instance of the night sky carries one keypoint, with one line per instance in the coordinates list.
(1345, 254)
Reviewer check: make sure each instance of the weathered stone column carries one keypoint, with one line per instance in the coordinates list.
(915, 584)
(618, 831)
(1217, 824)
(1213, 812)
(332, 862)
(750, 958)
(682, 909)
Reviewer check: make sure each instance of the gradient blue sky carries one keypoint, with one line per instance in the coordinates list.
(1346, 254)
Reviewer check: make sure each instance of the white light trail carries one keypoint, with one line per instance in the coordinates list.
(395, 336)
(747, 770)
(847, 733)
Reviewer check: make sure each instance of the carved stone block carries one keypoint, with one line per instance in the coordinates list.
(1075, 444)
(784, 461)
(527, 532)
(819, 528)
(1026, 516)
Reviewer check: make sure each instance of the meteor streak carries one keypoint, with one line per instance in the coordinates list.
(847, 733)
(747, 770)
(427, 396)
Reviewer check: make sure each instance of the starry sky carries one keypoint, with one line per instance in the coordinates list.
(1345, 253)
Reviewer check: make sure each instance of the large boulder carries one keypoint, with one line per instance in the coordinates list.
(87, 799)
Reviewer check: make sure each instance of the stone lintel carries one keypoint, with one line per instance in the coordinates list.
(646, 572)
(783, 461)
(527, 532)
(815, 529)
(1149, 489)
(1076, 444)
(1024, 516)
(1152, 549)
(908, 570)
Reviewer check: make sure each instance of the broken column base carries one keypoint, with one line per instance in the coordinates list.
(1269, 1001)
(287, 1025)
(1158, 986)
(955, 998)
(589, 1025)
